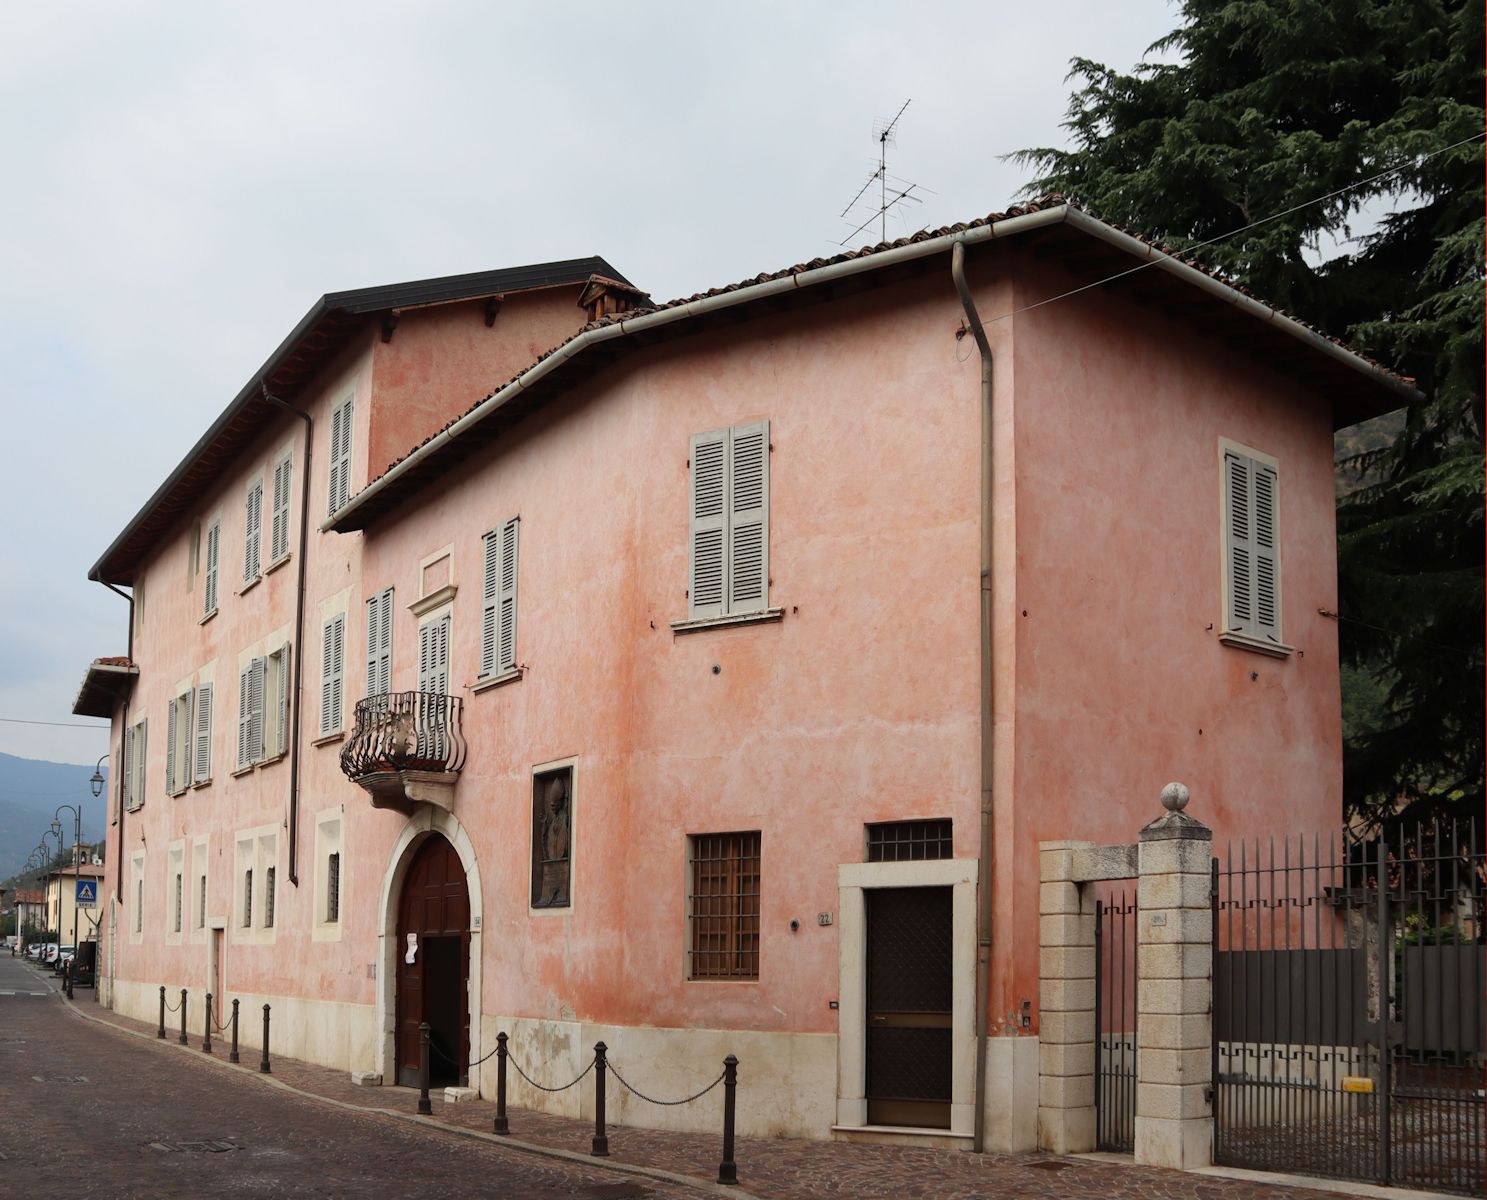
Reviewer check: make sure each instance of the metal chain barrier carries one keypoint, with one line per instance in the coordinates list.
(176, 1007)
(668, 1103)
(538, 1086)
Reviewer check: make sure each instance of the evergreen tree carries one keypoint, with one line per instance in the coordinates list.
(1253, 110)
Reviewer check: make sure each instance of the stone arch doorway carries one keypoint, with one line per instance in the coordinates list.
(433, 965)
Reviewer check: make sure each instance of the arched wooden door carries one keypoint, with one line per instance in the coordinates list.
(434, 965)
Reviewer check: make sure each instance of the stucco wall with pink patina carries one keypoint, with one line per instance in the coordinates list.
(860, 705)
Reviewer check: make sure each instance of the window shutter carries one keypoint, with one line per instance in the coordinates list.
(489, 601)
(748, 518)
(203, 770)
(140, 750)
(256, 700)
(281, 708)
(440, 673)
(171, 721)
(709, 524)
(1267, 562)
(338, 656)
(1251, 547)
(506, 617)
(253, 536)
(329, 677)
(214, 537)
(340, 454)
(337, 421)
(279, 533)
(126, 772)
(245, 713)
(379, 644)
(425, 655)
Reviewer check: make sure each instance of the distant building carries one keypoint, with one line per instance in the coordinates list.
(515, 654)
(61, 903)
(31, 910)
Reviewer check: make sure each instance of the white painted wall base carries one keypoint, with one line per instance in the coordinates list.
(1011, 1119)
(786, 1081)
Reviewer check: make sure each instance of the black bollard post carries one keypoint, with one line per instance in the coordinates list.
(424, 1107)
(263, 1066)
(601, 1142)
(206, 1040)
(233, 1057)
(67, 980)
(728, 1169)
(185, 1041)
(160, 1033)
(501, 1125)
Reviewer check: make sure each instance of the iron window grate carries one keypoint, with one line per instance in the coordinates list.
(909, 841)
(724, 905)
(333, 888)
(248, 898)
(268, 897)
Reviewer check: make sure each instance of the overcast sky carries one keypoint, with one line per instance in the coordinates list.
(180, 182)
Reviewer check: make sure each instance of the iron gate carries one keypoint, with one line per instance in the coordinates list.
(1115, 1020)
(1348, 1001)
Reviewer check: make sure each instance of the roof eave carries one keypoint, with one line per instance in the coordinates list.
(103, 687)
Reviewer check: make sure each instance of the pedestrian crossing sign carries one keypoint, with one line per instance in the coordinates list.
(87, 893)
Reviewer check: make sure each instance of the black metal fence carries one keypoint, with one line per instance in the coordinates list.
(1349, 981)
(404, 731)
(1115, 1019)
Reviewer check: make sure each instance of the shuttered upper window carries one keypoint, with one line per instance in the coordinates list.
(332, 667)
(253, 531)
(250, 713)
(340, 453)
(729, 552)
(498, 612)
(379, 644)
(213, 552)
(134, 765)
(178, 742)
(1251, 549)
(201, 767)
(279, 522)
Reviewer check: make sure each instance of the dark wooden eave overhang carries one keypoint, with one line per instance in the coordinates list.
(1088, 249)
(107, 683)
(330, 325)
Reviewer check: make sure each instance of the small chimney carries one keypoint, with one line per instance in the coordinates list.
(610, 298)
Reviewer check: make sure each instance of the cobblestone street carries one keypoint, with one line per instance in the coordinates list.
(106, 1102)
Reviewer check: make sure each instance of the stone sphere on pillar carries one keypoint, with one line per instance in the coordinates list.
(1175, 797)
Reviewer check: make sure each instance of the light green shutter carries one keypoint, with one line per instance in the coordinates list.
(1252, 552)
(253, 536)
(333, 648)
(506, 599)
(707, 590)
(214, 539)
(171, 723)
(748, 518)
(489, 601)
(279, 527)
(245, 713)
(203, 769)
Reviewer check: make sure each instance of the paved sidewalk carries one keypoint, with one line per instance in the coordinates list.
(770, 1169)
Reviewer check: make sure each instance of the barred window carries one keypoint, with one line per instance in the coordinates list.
(178, 903)
(333, 888)
(909, 841)
(268, 898)
(724, 906)
(201, 913)
(139, 905)
(248, 898)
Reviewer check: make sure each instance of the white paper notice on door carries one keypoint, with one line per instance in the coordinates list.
(412, 956)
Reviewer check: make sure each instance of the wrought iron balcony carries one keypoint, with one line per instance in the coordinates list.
(406, 749)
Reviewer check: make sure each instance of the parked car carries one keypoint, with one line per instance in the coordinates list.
(49, 953)
(64, 956)
(33, 951)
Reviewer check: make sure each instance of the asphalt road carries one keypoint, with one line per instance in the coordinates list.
(88, 1111)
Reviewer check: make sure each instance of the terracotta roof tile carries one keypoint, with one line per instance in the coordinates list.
(1047, 201)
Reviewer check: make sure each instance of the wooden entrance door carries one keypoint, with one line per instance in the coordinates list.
(434, 932)
(908, 1006)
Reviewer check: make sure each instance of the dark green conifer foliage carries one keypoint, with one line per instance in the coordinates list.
(1251, 108)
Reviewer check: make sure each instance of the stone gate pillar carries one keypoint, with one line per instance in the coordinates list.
(1174, 1009)
(1066, 988)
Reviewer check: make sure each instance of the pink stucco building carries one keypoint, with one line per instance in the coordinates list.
(516, 654)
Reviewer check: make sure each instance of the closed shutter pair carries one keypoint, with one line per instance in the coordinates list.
(340, 455)
(1251, 549)
(332, 667)
(134, 765)
(730, 521)
(252, 686)
(498, 604)
(188, 740)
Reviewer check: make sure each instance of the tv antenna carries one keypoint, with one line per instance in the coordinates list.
(890, 195)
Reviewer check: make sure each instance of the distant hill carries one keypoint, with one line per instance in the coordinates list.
(30, 792)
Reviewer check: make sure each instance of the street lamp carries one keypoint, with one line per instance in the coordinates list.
(77, 834)
(96, 780)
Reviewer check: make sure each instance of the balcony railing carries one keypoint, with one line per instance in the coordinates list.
(402, 740)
